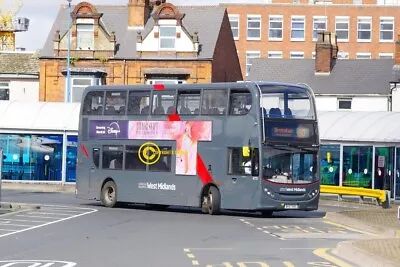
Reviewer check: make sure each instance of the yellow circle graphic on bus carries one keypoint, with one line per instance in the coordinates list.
(149, 153)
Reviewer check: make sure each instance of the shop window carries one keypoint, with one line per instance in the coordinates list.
(132, 160)
(32, 157)
(242, 162)
(357, 166)
(93, 103)
(330, 164)
(112, 157)
(115, 103)
(71, 158)
(139, 102)
(164, 163)
(384, 169)
(214, 102)
(188, 102)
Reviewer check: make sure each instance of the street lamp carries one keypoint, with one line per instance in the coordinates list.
(68, 87)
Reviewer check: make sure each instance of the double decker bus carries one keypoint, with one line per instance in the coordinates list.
(250, 146)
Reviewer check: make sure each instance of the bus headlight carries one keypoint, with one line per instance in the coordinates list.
(269, 193)
(313, 193)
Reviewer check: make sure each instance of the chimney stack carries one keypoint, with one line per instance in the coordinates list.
(138, 13)
(326, 51)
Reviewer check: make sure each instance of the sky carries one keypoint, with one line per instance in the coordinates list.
(42, 13)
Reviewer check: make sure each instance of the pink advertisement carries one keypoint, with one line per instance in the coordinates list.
(186, 134)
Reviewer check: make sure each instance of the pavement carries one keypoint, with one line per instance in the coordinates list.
(383, 227)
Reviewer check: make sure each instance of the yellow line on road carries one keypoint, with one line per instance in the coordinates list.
(349, 228)
(288, 264)
(321, 252)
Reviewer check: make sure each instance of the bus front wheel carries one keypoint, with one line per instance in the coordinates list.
(213, 201)
(109, 194)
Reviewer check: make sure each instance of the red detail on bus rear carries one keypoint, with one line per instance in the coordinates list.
(202, 171)
(85, 151)
(159, 86)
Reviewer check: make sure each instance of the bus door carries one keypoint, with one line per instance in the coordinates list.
(243, 182)
(94, 168)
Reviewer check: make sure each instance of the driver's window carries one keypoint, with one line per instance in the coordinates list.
(239, 164)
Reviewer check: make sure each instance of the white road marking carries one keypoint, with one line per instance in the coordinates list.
(36, 263)
(36, 219)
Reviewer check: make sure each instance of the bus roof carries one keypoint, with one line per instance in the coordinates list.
(219, 85)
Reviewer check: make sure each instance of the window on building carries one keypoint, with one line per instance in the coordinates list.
(386, 30)
(342, 28)
(234, 20)
(296, 55)
(357, 166)
(330, 164)
(319, 24)
(4, 91)
(364, 26)
(363, 56)
(79, 84)
(274, 54)
(250, 55)
(253, 27)
(85, 34)
(167, 37)
(343, 55)
(275, 28)
(297, 28)
(344, 103)
(386, 55)
(357, 2)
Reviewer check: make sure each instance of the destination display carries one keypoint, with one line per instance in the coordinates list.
(303, 132)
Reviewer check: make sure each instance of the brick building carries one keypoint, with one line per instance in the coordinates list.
(366, 29)
(143, 42)
(338, 85)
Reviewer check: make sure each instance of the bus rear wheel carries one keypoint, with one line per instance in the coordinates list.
(109, 194)
(213, 201)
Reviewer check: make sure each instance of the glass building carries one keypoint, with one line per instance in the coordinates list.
(39, 141)
(359, 149)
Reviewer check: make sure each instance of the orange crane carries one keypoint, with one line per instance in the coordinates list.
(10, 24)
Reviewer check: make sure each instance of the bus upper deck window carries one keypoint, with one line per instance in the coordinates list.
(93, 103)
(239, 102)
(115, 103)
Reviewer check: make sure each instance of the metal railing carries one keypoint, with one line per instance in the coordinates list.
(382, 196)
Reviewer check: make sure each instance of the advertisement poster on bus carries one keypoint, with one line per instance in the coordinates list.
(186, 134)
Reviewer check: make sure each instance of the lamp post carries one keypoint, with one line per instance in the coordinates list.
(68, 87)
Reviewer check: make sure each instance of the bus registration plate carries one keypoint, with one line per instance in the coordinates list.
(292, 207)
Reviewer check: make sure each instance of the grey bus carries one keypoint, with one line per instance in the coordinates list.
(249, 146)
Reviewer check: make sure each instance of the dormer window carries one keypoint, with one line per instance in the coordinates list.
(85, 34)
(167, 37)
